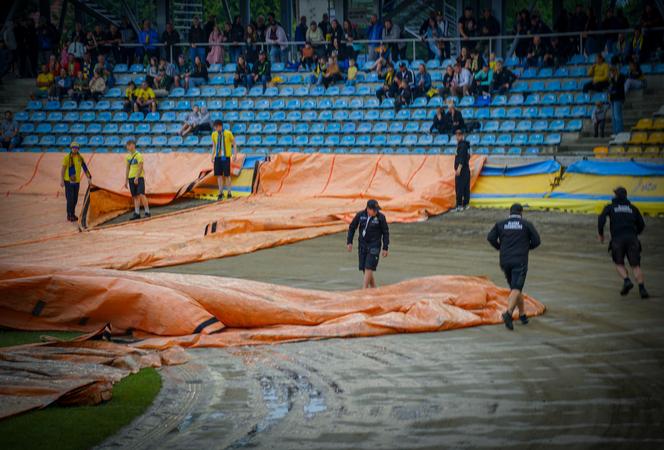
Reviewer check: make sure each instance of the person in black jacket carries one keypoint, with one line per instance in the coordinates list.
(262, 70)
(439, 122)
(514, 237)
(462, 172)
(626, 224)
(617, 98)
(454, 118)
(373, 232)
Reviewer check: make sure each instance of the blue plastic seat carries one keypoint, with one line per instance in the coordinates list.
(324, 103)
(333, 128)
(110, 128)
(574, 125)
(363, 90)
(499, 100)
(111, 141)
(294, 116)
(127, 128)
(301, 140)
(524, 125)
(601, 97)
(317, 91)
(468, 100)
(286, 140)
(490, 126)
(247, 116)
(364, 127)
(285, 128)
(332, 140)
(410, 140)
(583, 98)
(532, 99)
(520, 86)
(332, 91)
(425, 139)
(340, 103)
(553, 86)
(411, 127)
(514, 151)
(348, 91)
(270, 128)
(316, 140)
(47, 140)
(577, 59)
(546, 112)
(394, 140)
(552, 139)
(549, 99)
(325, 116)
(507, 126)
(557, 125)
(254, 140)
(395, 127)
(580, 111)
(363, 140)
(43, 128)
(540, 125)
(60, 128)
(498, 113)
(532, 151)
(519, 139)
(379, 127)
(441, 139)
(535, 139)
(144, 141)
(93, 128)
(239, 92)
(504, 140)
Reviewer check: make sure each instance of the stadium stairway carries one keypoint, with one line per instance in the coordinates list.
(639, 104)
(15, 93)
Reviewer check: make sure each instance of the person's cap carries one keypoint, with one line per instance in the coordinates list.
(74, 145)
(373, 204)
(516, 208)
(620, 192)
(402, 64)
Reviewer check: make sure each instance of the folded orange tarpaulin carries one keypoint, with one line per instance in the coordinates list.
(196, 310)
(299, 196)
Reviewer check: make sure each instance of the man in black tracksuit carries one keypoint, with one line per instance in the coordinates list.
(514, 237)
(373, 231)
(626, 225)
(462, 172)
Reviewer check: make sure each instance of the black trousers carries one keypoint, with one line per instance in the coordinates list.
(462, 187)
(71, 194)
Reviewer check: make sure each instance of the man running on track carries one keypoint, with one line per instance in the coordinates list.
(514, 237)
(626, 226)
(373, 230)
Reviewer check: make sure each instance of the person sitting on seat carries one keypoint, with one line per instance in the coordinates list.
(262, 70)
(130, 97)
(600, 76)
(422, 82)
(146, 101)
(242, 75)
(448, 76)
(190, 121)
(503, 79)
(461, 82)
(482, 81)
(97, 86)
(404, 96)
(454, 119)
(439, 124)
(333, 73)
(389, 88)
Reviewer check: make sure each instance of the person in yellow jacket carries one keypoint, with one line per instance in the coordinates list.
(135, 180)
(223, 151)
(73, 165)
(600, 76)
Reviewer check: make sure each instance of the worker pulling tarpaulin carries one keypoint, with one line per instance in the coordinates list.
(165, 309)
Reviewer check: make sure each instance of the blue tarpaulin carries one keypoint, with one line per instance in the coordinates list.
(537, 168)
(625, 168)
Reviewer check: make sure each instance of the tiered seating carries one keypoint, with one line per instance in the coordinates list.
(542, 106)
(645, 139)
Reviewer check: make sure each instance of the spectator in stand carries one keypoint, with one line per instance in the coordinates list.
(503, 78)
(467, 28)
(47, 39)
(100, 38)
(483, 80)
(610, 23)
(301, 32)
(635, 50)
(263, 70)
(617, 98)
(130, 97)
(199, 73)
(448, 77)
(406, 74)
(182, 73)
(251, 47)
(80, 88)
(128, 35)
(45, 81)
(320, 67)
(336, 32)
(464, 55)
(170, 37)
(476, 61)
(146, 101)
(375, 34)
(350, 35)
(62, 86)
(204, 121)
(600, 76)
(261, 28)
(190, 121)
(556, 55)
(148, 37)
(170, 71)
(422, 82)
(462, 81)
(598, 117)
(332, 73)
(216, 53)
(650, 39)
(91, 45)
(592, 41)
(326, 27)
(577, 24)
(53, 65)
(87, 67)
(521, 28)
(432, 35)
(196, 38)
(536, 52)
(97, 86)
(10, 136)
(454, 119)
(389, 88)
(307, 57)
(236, 37)
(404, 96)
(351, 76)
(315, 37)
(392, 31)
(152, 71)
(488, 27)
(210, 24)
(622, 47)
(76, 49)
(161, 82)
(105, 69)
(243, 75)
(439, 122)
(635, 79)
(277, 42)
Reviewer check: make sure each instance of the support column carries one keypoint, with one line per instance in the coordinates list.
(245, 10)
(499, 13)
(163, 13)
(287, 17)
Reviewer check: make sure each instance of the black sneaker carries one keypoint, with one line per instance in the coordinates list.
(524, 319)
(627, 286)
(147, 214)
(74, 218)
(220, 196)
(135, 216)
(507, 318)
(229, 195)
(644, 294)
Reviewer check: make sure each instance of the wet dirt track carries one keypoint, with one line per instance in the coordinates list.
(586, 374)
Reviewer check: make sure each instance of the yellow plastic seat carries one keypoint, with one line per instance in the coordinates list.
(616, 150)
(601, 152)
(651, 151)
(658, 123)
(643, 124)
(656, 138)
(634, 150)
(638, 137)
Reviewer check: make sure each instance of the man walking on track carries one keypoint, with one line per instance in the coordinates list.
(626, 226)
(223, 151)
(135, 180)
(462, 172)
(373, 231)
(514, 237)
(70, 178)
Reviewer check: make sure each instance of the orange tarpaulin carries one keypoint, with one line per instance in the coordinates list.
(300, 196)
(167, 309)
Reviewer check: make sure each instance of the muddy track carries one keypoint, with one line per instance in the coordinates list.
(588, 374)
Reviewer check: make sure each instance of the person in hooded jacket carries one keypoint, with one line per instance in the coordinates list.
(626, 224)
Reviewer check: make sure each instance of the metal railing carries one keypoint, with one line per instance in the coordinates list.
(371, 45)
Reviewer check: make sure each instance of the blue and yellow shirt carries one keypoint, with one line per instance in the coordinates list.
(74, 165)
(134, 160)
(222, 147)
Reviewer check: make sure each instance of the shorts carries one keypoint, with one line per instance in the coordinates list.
(515, 275)
(137, 189)
(626, 246)
(222, 167)
(369, 258)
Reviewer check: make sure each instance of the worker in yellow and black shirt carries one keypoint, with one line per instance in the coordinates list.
(223, 151)
(70, 178)
(135, 180)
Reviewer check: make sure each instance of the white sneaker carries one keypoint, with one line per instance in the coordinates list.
(466, 207)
